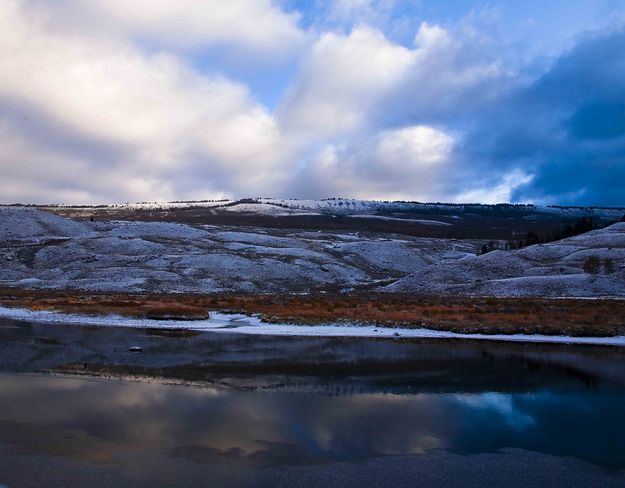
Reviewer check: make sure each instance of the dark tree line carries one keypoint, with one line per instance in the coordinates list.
(584, 224)
(531, 238)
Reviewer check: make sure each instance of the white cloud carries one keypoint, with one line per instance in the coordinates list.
(353, 82)
(161, 118)
(451, 68)
(258, 26)
(413, 147)
(432, 36)
(33, 172)
(352, 87)
(499, 192)
(99, 100)
(341, 81)
(406, 163)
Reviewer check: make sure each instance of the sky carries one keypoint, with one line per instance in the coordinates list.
(106, 101)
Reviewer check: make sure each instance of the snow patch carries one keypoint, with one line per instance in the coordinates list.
(243, 324)
(416, 221)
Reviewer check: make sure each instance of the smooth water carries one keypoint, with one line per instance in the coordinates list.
(101, 420)
(78, 409)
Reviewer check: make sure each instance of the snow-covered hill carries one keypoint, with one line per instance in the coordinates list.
(588, 265)
(24, 223)
(341, 206)
(42, 250)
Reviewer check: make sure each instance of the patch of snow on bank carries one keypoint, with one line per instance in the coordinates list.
(243, 324)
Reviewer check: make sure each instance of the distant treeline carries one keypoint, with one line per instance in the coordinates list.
(488, 205)
(581, 226)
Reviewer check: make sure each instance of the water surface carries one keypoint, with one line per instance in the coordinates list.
(77, 408)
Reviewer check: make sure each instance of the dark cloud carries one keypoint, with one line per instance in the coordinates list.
(555, 137)
(602, 119)
(566, 128)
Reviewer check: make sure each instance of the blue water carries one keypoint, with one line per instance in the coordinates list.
(91, 419)
(78, 409)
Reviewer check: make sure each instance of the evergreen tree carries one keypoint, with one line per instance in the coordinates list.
(532, 238)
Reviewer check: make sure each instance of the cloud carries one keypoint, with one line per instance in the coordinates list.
(456, 73)
(253, 26)
(495, 192)
(383, 113)
(555, 137)
(351, 81)
(403, 163)
(341, 81)
(348, 12)
(598, 120)
(413, 147)
(565, 127)
(96, 104)
(105, 101)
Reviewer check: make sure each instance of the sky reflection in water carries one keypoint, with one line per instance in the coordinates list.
(106, 421)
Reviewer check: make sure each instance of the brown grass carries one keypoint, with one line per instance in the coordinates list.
(460, 314)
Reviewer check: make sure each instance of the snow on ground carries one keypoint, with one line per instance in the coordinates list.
(160, 256)
(45, 251)
(161, 230)
(267, 209)
(416, 221)
(170, 205)
(340, 206)
(243, 324)
(588, 265)
(24, 223)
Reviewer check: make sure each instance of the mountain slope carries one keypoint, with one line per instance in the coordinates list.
(161, 256)
(47, 251)
(588, 265)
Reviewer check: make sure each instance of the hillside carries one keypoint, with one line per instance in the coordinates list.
(588, 265)
(450, 221)
(41, 250)
(343, 206)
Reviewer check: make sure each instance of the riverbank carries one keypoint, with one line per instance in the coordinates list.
(571, 317)
(253, 325)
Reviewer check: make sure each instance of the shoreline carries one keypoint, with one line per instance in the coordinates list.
(574, 317)
(253, 325)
